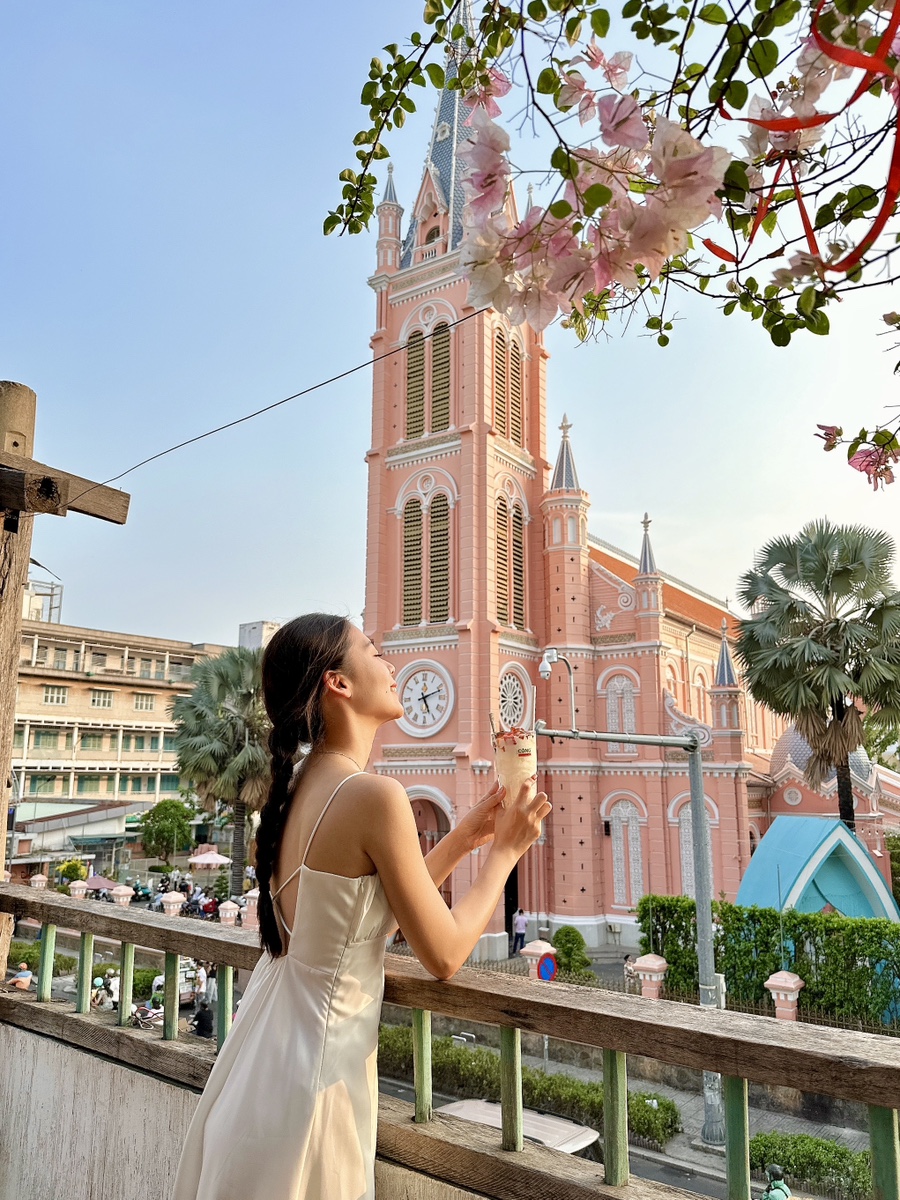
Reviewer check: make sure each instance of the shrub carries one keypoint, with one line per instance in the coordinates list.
(142, 987)
(475, 1075)
(30, 953)
(222, 885)
(158, 869)
(570, 951)
(72, 868)
(812, 1160)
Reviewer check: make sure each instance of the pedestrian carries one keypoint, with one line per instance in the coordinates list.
(520, 925)
(21, 979)
(113, 983)
(290, 1106)
(199, 985)
(630, 974)
(212, 985)
(202, 1021)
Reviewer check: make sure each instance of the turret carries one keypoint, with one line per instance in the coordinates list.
(565, 510)
(389, 213)
(727, 703)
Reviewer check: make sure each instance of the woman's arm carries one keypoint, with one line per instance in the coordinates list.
(474, 830)
(442, 938)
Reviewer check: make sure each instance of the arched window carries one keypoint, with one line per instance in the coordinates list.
(686, 845)
(518, 567)
(620, 709)
(412, 562)
(672, 683)
(439, 559)
(628, 859)
(701, 699)
(440, 378)
(502, 561)
(415, 384)
(501, 397)
(516, 424)
(432, 235)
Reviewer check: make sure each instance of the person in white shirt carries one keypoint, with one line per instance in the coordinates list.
(200, 986)
(520, 926)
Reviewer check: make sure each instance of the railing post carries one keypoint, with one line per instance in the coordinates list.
(171, 998)
(885, 1153)
(421, 1025)
(737, 1139)
(225, 1002)
(85, 973)
(615, 1119)
(126, 982)
(45, 964)
(511, 1088)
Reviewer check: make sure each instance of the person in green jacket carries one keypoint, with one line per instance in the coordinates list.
(776, 1188)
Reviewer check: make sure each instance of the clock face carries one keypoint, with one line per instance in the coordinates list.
(512, 700)
(427, 697)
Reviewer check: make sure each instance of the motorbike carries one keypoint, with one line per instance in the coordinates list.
(144, 1017)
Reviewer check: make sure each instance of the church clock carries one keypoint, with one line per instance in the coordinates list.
(426, 693)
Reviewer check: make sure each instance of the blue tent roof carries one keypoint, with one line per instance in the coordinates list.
(808, 863)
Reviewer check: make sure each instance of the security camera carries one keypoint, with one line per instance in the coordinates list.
(551, 655)
(544, 669)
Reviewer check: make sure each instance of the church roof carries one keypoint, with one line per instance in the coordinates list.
(792, 747)
(725, 672)
(679, 598)
(390, 192)
(565, 477)
(648, 562)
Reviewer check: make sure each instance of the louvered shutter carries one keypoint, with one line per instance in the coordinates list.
(415, 385)
(518, 568)
(515, 395)
(412, 563)
(502, 561)
(439, 559)
(501, 398)
(440, 379)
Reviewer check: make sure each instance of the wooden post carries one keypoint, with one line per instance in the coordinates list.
(45, 963)
(885, 1156)
(27, 487)
(422, 1063)
(171, 998)
(511, 1088)
(17, 410)
(85, 973)
(225, 1001)
(126, 983)
(737, 1138)
(615, 1119)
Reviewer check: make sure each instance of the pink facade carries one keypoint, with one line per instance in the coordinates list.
(479, 558)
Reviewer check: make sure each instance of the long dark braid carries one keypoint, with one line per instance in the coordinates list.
(293, 669)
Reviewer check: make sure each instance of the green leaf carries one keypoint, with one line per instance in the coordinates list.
(331, 223)
(885, 438)
(600, 22)
(770, 220)
(807, 302)
(704, 283)
(818, 323)
(662, 340)
(713, 14)
(537, 10)
(780, 334)
(729, 307)
(347, 176)
(763, 58)
(435, 73)
(631, 8)
(548, 81)
(433, 10)
(737, 93)
(560, 209)
(596, 197)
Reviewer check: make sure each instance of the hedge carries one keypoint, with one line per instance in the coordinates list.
(142, 988)
(850, 965)
(475, 1074)
(814, 1161)
(30, 953)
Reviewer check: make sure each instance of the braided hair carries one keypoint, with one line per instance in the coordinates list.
(293, 674)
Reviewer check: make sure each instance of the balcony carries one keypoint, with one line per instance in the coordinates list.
(89, 1087)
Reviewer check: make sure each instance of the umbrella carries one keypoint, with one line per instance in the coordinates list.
(210, 859)
(96, 882)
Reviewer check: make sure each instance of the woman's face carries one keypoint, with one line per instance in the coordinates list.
(372, 676)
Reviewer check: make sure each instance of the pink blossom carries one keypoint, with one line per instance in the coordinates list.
(621, 122)
(615, 69)
(876, 464)
(489, 170)
(830, 435)
(483, 95)
(575, 93)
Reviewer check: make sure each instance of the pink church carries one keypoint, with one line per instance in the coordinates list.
(479, 557)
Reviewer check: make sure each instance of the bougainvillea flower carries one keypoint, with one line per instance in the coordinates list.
(483, 96)
(621, 122)
(575, 93)
(875, 463)
(830, 435)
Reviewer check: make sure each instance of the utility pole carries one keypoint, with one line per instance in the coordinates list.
(28, 487)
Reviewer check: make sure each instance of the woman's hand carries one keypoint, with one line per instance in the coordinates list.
(477, 826)
(518, 826)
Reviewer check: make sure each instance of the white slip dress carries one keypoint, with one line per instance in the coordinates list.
(290, 1108)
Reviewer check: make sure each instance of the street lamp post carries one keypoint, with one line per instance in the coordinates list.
(713, 1131)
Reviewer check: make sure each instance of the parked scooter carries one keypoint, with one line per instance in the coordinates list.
(147, 1017)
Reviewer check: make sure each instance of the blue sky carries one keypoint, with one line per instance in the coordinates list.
(168, 167)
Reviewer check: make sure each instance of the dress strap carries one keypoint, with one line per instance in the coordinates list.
(315, 827)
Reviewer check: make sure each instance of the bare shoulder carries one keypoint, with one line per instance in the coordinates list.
(379, 790)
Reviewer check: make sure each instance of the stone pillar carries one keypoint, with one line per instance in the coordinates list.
(651, 970)
(122, 894)
(227, 912)
(38, 881)
(785, 989)
(533, 952)
(78, 889)
(171, 903)
(249, 919)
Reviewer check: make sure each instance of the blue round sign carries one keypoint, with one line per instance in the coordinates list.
(546, 967)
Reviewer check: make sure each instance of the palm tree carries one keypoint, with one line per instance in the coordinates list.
(221, 738)
(822, 645)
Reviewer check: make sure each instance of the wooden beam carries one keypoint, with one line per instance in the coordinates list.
(32, 491)
(85, 496)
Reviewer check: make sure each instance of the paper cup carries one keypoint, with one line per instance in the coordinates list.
(515, 759)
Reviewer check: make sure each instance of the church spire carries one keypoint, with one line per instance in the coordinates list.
(565, 477)
(725, 672)
(390, 192)
(648, 562)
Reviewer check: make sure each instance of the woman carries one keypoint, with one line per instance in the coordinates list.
(290, 1109)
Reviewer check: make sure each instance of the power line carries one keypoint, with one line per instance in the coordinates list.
(370, 362)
